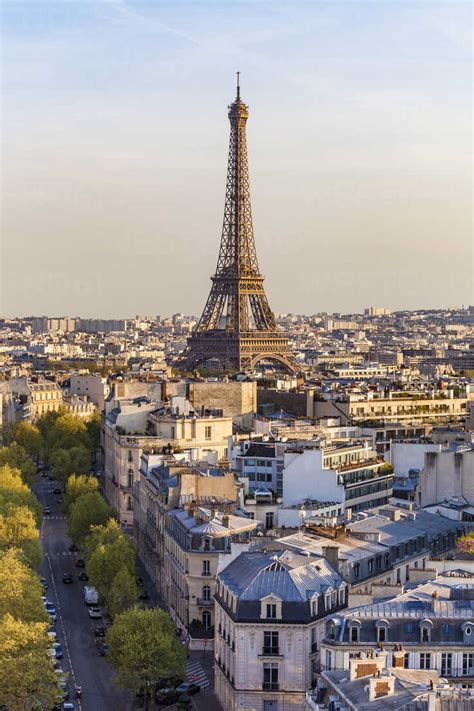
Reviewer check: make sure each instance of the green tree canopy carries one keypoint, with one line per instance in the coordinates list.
(18, 529)
(14, 490)
(78, 484)
(105, 534)
(122, 592)
(86, 511)
(17, 457)
(26, 435)
(21, 589)
(27, 679)
(144, 647)
(107, 560)
(93, 425)
(68, 461)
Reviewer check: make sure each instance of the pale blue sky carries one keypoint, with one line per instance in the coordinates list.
(115, 132)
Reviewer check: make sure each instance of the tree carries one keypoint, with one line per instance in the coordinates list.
(21, 589)
(107, 560)
(75, 460)
(87, 510)
(93, 425)
(14, 490)
(122, 592)
(26, 435)
(17, 457)
(105, 534)
(465, 544)
(77, 485)
(27, 679)
(143, 648)
(18, 529)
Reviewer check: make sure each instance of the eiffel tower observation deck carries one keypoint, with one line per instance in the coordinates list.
(237, 326)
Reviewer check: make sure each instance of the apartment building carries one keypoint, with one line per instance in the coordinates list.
(447, 474)
(432, 625)
(133, 427)
(269, 617)
(37, 397)
(350, 473)
(198, 543)
(169, 482)
(404, 406)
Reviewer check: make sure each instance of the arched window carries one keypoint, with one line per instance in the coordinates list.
(382, 630)
(425, 630)
(468, 632)
(354, 631)
(207, 544)
(206, 593)
(206, 619)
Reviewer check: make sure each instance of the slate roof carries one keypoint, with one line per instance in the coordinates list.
(293, 578)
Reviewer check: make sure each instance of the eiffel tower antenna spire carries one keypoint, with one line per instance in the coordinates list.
(237, 326)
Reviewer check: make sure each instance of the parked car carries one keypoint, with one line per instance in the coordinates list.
(51, 610)
(166, 697)
(57, 490)
(68, 706)
(58, 650)
(80, 563)
(46, 511)
(67, 578)
(100, 630)
(59, 500)
(52, 635)
(44, 475)
(102, 647)
(95, 612)
(73, 548)
(143, 595)
(169, 682)
(44, 583)
(83, 576)
(188, 688)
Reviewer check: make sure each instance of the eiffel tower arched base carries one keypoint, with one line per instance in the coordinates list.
(238, 353)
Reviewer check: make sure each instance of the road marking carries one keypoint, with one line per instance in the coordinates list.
(58, 607)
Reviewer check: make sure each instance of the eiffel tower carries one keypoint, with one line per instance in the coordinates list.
(237, 326)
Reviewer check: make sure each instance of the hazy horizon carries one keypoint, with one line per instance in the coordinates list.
(115, 136)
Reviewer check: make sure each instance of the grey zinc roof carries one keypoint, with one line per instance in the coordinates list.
(293, 578)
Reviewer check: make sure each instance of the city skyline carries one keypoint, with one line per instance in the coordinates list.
(359, 151)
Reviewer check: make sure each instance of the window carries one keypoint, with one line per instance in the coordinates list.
(270, 643)
(446, 664)
(425, 660)
(269, 519)
(409, 627)
(381, 633)
(206, 567)
(468, 664)
(378, 562)
(206, 593)
(206, 619)
(270, 677)
(445, 628)
(207, 544)
(354, 633)
(406, 660)
(208, 432)
(130, 478)
(130, 455)
(386, 560)
(271, 609)
(129, 503)
(356, 570)
(371, 565)
(425, 632)
(328, 660)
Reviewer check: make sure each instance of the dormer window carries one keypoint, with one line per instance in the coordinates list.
(354, 631)
(382, 630)
(468, 632)
(425, 630)
(206, 544)
(271, 608)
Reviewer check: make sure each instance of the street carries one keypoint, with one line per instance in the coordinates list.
(74, 628)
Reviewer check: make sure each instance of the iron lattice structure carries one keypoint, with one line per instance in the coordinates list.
(237, 326)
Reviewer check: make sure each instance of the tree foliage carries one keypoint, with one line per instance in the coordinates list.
(17, 457)
(93, 425)
(21, 588)
(465, 544)
(122, 592)
(103, 534)
(77, 485)
(88, 510)
(26, 435)
(14, 490)
(18, 530)
(65, 462)
(107, 560)
(27, 679)
(144, 647)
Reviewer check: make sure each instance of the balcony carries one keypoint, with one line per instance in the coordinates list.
(270, 652)
(206, 602)
(270, 686)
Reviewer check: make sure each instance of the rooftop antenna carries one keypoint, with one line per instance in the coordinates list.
(238, 86)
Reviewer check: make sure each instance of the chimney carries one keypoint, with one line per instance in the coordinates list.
(331, 553)
(381, 686)
(226, 521)
(398, 658)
